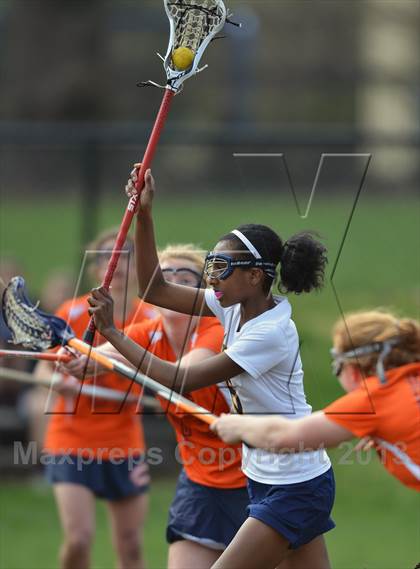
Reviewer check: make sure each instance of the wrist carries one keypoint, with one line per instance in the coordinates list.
(144, 215)
(110, 333)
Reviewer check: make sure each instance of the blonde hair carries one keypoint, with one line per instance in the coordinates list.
(186, 251)
(362, 328)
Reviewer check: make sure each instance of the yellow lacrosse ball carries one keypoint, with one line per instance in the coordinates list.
(182, 58)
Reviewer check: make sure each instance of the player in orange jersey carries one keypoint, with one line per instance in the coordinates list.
(95, 448)
(211, 497)
(376, 357)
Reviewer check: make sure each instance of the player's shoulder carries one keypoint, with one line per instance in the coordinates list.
(208, 323)
(280, 315)
(276, 318)
(150, 326)
(143, 311)
(410, 372)
(376, 389)
(358, 401)
(268, 325)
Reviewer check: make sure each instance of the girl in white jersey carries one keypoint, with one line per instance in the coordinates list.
(291, 495)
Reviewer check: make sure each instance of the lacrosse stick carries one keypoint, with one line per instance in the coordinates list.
(90, 390)
(37, 330)
(193, 24)
(45, 356)
(86, 389)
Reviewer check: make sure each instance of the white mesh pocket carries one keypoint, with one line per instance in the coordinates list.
(27, 327)
(193, 23)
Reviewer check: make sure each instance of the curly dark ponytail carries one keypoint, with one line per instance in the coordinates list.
(302, 258)
(302, 264)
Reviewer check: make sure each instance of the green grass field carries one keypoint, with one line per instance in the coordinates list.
(378, 521)
(377, 524)
(378, 262)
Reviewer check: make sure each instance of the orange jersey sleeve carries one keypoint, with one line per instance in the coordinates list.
(390, 413)
(355, 411)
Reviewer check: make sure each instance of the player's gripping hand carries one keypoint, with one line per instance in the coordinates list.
(66, 386)
(130, 188)
(147, 193)
(102, 309)
(80, 366)
(230, 428)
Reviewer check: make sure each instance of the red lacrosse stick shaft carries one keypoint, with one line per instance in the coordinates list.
(134, 200)
(35, 355)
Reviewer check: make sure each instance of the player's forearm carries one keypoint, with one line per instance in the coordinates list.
(296, 435)
(174, 376)
(278, 434)
(149, 275)
(113, 354)
(282, 435)
(272, 433)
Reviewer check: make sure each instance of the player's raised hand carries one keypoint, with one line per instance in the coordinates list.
(147, 194)
(148, 189)
(102, 309)
(130, 188)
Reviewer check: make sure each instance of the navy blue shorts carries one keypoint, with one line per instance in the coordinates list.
(299, 512)
(108, 480)
(209, 516)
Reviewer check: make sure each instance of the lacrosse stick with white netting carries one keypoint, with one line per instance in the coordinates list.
(193, 24)
(34, 329)
(192, 27)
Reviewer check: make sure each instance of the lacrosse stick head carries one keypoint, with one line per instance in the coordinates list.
(30, 327)
(193, 24)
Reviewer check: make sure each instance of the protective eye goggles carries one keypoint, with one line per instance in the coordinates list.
(384, 348)
(337, 365)
(220, 266)
(186, 276)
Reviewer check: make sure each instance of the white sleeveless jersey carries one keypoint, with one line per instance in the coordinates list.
(267, 349)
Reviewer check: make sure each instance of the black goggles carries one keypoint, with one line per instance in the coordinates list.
(187, 276)
(220, 266)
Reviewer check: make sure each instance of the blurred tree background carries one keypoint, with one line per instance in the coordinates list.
(301, 77)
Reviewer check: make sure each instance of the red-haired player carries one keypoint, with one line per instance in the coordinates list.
(377, 361)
